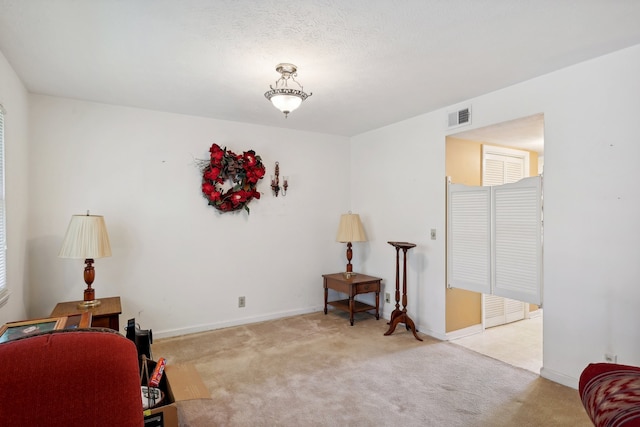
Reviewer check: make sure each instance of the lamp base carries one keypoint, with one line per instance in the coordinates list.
(89, 304)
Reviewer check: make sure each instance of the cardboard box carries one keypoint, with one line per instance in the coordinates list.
(179, 382)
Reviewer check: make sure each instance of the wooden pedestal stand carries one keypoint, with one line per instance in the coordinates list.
(401, 316)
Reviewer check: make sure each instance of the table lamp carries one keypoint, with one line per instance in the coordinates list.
(86, 239)
(350, 230)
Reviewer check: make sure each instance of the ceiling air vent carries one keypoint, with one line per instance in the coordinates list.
(460, 117)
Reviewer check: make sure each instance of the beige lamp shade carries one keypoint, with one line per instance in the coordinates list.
(86, 238)
(350, 229)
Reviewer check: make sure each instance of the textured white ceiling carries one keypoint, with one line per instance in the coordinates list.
(526, 133)
(369, 63)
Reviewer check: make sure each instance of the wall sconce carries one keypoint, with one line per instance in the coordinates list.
(275, 182)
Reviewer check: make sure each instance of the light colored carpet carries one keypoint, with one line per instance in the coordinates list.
(317, 370)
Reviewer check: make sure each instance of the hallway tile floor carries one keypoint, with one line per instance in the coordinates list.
(518, 343)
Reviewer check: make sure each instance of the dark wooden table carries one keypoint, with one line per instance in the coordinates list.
(358, 284)
(105, 315)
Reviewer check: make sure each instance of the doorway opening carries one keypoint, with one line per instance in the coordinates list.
(510, 330)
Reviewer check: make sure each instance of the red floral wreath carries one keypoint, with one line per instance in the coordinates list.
(243, 170)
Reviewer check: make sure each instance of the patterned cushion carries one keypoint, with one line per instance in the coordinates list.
(610, 394)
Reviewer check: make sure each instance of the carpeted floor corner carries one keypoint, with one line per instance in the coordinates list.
(317, 370)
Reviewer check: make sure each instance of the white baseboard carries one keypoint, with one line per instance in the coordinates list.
(464, 332)
(534, 314)
(386, 315)
(559, 378)
(437, 335)
(236, 322)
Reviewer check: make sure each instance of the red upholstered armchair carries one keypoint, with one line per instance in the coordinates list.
(70, 378)
(610, 394)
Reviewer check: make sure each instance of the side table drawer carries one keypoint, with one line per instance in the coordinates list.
(362, 288)
(101, 322)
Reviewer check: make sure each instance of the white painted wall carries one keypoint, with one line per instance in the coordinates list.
(178, 265)
(592, 206)
(398, 185)
(14, 98)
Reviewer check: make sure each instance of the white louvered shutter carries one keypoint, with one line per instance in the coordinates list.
(505, 243)
(501, 168)
(517, 248)
(469, 232)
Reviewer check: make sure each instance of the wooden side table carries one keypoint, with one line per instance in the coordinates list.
(105, 315)
(13, 330)
(357, 284)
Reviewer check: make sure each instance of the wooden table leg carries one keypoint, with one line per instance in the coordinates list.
(352, 304)
(326, 295)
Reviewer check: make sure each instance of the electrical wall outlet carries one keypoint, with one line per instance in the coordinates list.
(387, 297)
(241, 301)
(610, 358)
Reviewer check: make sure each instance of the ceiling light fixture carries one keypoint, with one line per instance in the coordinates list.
(283, 97)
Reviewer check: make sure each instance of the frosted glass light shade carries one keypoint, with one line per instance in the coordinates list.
(350, 229)
(86, 238)
(286, 103)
